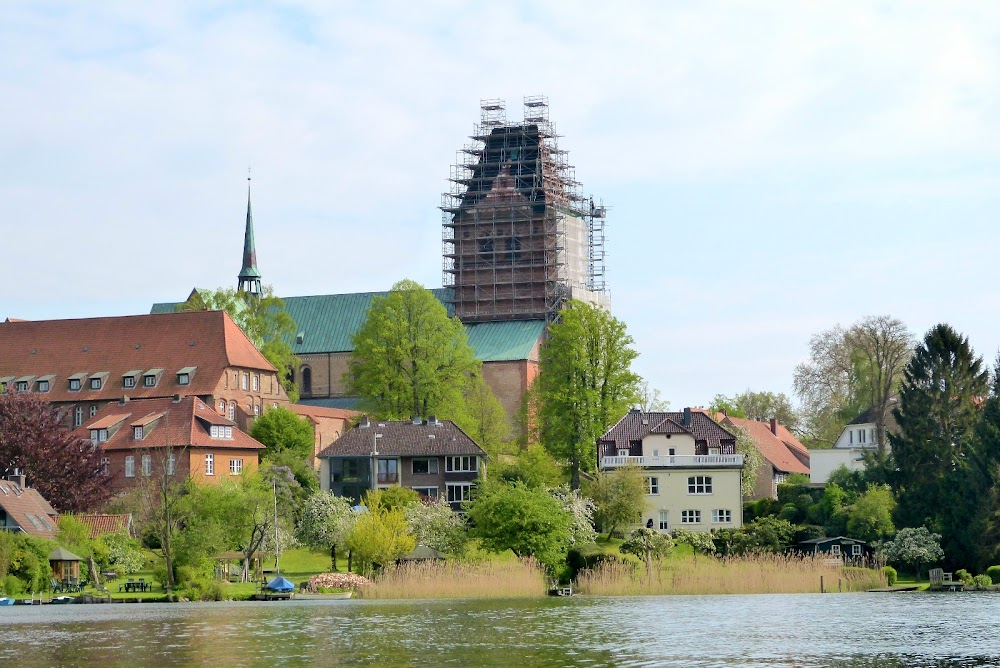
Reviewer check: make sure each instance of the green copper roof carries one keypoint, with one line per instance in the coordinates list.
(327, 323)
(249, 270)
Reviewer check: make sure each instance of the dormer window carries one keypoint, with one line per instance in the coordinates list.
(22, 386)
(220, 431)
(138, 433)
(43, 386)
(184, 375)
(150, 377)
(76, 382)
(129, 379)
(99, 435)
(95, 383)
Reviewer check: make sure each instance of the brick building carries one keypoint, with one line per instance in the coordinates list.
(82, 365)
(180, 436)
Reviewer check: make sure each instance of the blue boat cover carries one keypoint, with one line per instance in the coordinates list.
(280, 584)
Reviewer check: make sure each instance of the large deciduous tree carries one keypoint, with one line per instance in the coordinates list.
(65, 470)
(935, 448)
(619, 498)
(410, 359)
(753, 460)
(282, 430)
(758, 406)
(850, 371)
(326, 521)
(586, 383)
(263, 319)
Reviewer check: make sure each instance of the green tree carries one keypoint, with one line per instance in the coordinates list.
(648, 545)
(769, 534)
(758, 406)
(585, 385)
(698, 540)
(263, 319)
(410, 359)
(379, 537)
(533, 466)
(870, 518)
(916, 547)
(530, 522)
(391, 498)
(985, 469)
(619, 498)
(326, 521)
(283, 430)
(581, 510)
(484, 418)
(753, 460)
(935, 447)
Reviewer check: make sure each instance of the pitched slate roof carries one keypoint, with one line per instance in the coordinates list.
(631, 428)
(327, 324)
(404, 439)
(22, 506)
(774, 448)
(104, 524)
(115, 346)
(185, 423)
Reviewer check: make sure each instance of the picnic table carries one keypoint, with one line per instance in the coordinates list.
(135, 586)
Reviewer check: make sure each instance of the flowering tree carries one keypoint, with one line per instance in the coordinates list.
(698, 540)
(326, 521)
(433, 523)
(65, 470)
(648, 544)
(914, 547)
(582, 511)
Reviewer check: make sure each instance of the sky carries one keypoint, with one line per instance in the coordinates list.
(772, 169)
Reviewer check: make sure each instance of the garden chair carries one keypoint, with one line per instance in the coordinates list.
(142, 584)
(56, 587)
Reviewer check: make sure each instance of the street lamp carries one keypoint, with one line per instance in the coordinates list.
(374, 469)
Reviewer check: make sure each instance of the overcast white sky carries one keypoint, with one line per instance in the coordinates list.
(773, 168)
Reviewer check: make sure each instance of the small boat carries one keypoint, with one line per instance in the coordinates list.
(61, 600)
(6, 600)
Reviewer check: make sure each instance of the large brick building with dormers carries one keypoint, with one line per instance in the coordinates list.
(82, 365)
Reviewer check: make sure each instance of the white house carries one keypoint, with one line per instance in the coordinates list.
(857, 439)
(690, 464)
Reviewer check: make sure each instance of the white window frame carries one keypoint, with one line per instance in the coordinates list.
(235, 466)
(835, 550)
(431, 492)
(78, 416)
(102, 435)
(690, 517)
(715, 451)
(22, 386)
(652, 485)
(93, 410)
(256, 409)
(245, 382)
(432, 466)
(96, 383)
(231, 413)
(129, 466)
(222, 406)
(465, 464)
(105, 465)
(664, 520)
(855, 550)
(171, 463)
(75, 384)
(149, 380)
(128, 382)
(722, 516)
(700, 485)
(465, 495)
(147, 465)
(210, 464)
(43, 386)
(183, 379)
(256, 382)
(137, 433)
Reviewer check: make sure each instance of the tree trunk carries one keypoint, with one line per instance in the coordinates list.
(333, 558)
(350, 555)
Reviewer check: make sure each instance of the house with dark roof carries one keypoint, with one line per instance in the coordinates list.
(326, 325)
(857, 439)
(82, 365)
(178, 437)
(23, 509)
(690, 464)
(782, 453)
(850, 550)
(435, 458)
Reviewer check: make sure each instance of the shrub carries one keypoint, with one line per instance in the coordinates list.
(124, 554)
(890, 575)
(964, 575)
(789, 512)
(206, 589)
(808, 532)
(994, 573)
(12, 586)
(982, 581)
(583, 556)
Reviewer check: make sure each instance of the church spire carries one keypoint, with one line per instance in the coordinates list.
(249, 278)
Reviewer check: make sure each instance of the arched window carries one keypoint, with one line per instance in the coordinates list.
(222, 406)
(307, 381)
(232, 411)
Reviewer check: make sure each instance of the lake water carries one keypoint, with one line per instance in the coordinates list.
(854, 630)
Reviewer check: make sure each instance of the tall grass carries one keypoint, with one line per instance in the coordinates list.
(455, 579)
(758, 574)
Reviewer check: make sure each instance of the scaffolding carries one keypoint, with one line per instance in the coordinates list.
(518, 238)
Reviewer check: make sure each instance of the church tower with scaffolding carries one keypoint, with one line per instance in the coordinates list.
(518, 237)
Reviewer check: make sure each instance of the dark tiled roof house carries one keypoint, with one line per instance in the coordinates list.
(433, 457)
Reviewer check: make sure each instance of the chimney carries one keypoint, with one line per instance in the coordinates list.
(774, 426)
(432, 420)
(364, 422)
(687, 417)
(177, 398)
(124, 400)
(416, 420)
(18, 478)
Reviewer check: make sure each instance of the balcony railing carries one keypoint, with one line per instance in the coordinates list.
(673, 461)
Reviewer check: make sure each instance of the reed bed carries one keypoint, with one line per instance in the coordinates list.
(758, 574)
(457, 579)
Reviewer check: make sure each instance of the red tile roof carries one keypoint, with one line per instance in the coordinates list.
(184, 423)
(323, 412)
(774, 446)
(105, 524)
(23, 507)
(207, 340)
